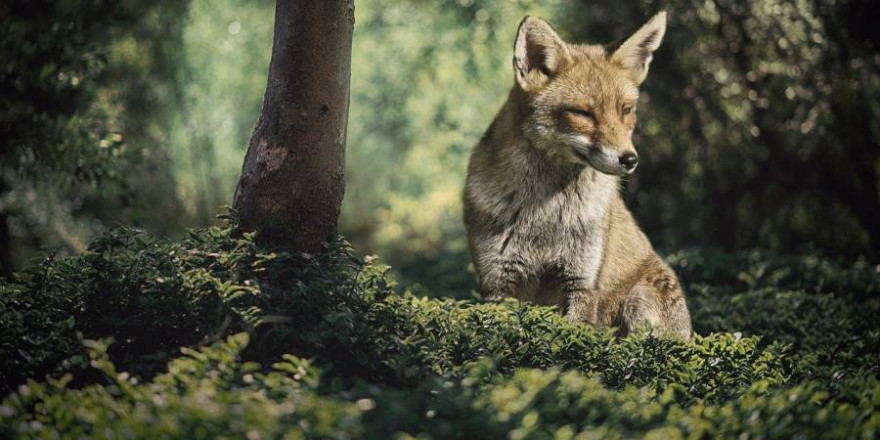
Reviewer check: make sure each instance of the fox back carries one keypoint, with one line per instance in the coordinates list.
(545, 219)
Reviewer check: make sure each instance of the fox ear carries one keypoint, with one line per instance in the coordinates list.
(538, 53)
(635, 54)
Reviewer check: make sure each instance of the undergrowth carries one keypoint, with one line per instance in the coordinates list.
(211, 336)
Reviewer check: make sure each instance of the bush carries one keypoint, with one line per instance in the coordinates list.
(211, 392)
(236, 324)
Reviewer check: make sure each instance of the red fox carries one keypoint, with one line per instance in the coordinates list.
(545, 219)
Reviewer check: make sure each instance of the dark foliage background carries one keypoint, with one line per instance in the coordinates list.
(758, 123)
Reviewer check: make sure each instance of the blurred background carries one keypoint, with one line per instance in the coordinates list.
(759, 124)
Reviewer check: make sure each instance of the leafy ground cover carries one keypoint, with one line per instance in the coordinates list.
(210, 337)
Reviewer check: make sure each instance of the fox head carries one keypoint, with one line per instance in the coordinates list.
(580, 100)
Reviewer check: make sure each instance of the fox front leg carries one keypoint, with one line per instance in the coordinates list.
(581, 301)
(658, 305)
(582, 306)
(502, 278)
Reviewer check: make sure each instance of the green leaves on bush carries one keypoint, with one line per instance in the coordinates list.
(211, 393)
(382, 363)
(206, 393)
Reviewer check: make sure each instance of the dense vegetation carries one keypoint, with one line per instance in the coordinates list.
(758, 124)
(758, 129)
(211, 336)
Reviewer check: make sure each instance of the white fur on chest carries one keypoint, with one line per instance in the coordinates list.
(566, 226)
(546, 219)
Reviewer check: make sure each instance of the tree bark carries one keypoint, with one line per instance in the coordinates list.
(292, 180)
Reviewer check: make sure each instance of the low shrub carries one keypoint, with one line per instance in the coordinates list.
(213, 393)
(770, 351)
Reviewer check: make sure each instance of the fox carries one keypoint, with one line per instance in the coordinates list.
(545, 219)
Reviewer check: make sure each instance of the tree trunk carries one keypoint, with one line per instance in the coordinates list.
(292, 180)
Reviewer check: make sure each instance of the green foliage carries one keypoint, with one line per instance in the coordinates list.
(65, 166)
(122, 113)
(545, 404)
(154, 296)
(758, 127)
(211, 392)
(758, 124)
(758, 121)
(811, 272)
(205, 394)
(834, 337)
(382, 363)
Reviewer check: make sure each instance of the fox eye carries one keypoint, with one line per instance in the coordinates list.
(582, 113)
(627, 110)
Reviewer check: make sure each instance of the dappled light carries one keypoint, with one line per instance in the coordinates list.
(138, 299)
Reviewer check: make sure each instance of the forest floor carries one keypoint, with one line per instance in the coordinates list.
(211, 337)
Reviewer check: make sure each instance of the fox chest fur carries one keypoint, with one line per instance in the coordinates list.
(534, 219)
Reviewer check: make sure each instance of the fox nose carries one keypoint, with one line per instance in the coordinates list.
(629, 161)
